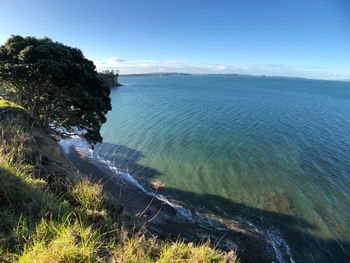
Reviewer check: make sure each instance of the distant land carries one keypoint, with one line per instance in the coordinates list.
(200, 74)
(156, 74)
(217, 74)
(189, 74)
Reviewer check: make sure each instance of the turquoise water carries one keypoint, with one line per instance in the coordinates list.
(274, 151)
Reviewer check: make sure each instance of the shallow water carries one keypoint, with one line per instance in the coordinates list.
(274, 151)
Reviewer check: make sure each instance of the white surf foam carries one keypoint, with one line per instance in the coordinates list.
(83, 147)
(280, 247)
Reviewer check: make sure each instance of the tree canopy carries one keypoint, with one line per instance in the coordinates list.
(56, 84)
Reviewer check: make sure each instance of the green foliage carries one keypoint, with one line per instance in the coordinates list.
(56, 84)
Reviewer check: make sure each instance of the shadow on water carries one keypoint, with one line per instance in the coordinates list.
(299, 234)
(306, 247)
(126, 160)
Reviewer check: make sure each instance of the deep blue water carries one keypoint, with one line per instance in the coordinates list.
(274, 151)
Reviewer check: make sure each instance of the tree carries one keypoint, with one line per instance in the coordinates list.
(56, 84)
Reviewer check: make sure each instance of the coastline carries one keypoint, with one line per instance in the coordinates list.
(165, 218)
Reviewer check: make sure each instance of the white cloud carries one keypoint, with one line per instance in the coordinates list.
(148, 66)
(109, 63)
(115, 60)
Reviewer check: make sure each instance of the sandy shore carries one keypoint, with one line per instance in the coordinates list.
(166, 221)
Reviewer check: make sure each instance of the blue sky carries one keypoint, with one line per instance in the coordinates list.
(307, 38)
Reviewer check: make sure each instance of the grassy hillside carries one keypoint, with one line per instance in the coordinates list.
(50, 214)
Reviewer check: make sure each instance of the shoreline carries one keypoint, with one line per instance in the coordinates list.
(165, 218)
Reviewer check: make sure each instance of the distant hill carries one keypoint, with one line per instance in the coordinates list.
(156, 74)
(206, 74)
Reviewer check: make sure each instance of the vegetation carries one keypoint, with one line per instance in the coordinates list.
(56, 84)
(5, 104)
(48, 212)
(110, 78)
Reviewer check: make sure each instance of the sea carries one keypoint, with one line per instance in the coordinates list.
(273, 152)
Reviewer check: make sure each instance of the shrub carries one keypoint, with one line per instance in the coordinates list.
(88, 195)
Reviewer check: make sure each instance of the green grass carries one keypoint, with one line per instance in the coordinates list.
(50, 214)
(88, 195)
(60, 242)
(37, 226)
(188, 252)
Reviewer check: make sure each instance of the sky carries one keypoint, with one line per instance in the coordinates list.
(301, 38)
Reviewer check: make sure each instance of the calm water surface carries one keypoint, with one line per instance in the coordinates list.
(274, 151)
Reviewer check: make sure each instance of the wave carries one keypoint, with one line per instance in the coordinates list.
(282, 251)
(84, 148)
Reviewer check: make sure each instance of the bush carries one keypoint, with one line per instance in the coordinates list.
(88, 195)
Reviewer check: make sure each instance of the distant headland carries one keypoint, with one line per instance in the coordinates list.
(110, 78)
(164, 74)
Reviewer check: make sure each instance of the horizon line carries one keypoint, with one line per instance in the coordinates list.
(169, 73)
